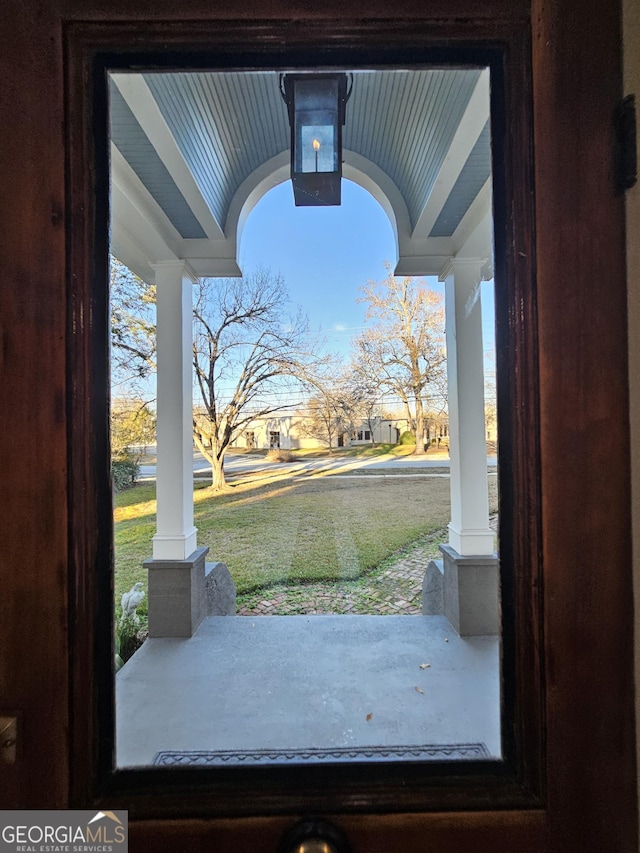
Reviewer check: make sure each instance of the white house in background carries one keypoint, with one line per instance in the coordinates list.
(285, 432)
(290, 432)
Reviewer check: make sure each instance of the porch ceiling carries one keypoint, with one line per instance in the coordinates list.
(193, 152)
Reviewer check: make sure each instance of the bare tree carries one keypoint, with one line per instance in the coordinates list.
(246, 352)
(323, 419)
(365, 397)
(132, 304)
(132, 310)
(330, 410)
(335, 404)
(403, 352)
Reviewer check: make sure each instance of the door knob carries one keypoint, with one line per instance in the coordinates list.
(314, 835)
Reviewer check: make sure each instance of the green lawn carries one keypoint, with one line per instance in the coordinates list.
(291, 530)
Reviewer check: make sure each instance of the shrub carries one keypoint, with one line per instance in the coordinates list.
(276, 454)
(128, 640)
(124, 472)
(407, 437)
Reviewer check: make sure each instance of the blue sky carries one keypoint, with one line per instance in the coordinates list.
(325, 254)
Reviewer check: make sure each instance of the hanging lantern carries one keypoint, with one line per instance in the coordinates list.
(316, 105)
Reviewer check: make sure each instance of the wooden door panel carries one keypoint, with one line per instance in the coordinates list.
(439, 833)
(33, 434)
(583, 370)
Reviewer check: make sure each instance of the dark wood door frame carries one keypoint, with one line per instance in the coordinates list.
(570, 785)
(516, 781)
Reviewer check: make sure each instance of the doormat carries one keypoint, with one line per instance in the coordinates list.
(218, 758)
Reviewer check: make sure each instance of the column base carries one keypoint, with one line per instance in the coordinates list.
(184, 592)
(467, 590)
(171, 547)
(475, 542)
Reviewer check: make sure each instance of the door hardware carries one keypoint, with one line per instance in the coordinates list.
(8, 739)
(314, 835)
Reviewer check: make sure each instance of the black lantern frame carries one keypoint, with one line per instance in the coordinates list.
(316, 104)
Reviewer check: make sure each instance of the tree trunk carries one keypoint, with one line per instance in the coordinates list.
(216, 460)
(419, 451)
(371, 432)
(409, 416)
(218, 481)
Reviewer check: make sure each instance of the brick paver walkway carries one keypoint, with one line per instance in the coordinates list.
(393, 589)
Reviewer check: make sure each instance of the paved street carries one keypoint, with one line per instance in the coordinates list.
(237, 464)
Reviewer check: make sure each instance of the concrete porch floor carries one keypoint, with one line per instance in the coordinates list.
(300, 682)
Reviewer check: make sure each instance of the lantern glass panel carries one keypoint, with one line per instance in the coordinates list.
(317, 148)
(316, 126)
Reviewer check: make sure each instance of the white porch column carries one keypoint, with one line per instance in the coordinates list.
(175, 537)
(469, 532)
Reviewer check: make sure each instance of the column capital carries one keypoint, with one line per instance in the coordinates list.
(454, 264)
(182, 266)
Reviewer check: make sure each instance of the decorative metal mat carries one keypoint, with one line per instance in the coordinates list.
(222, 757)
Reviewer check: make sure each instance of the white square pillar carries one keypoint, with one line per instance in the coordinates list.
(175, 537)
(469, 531)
